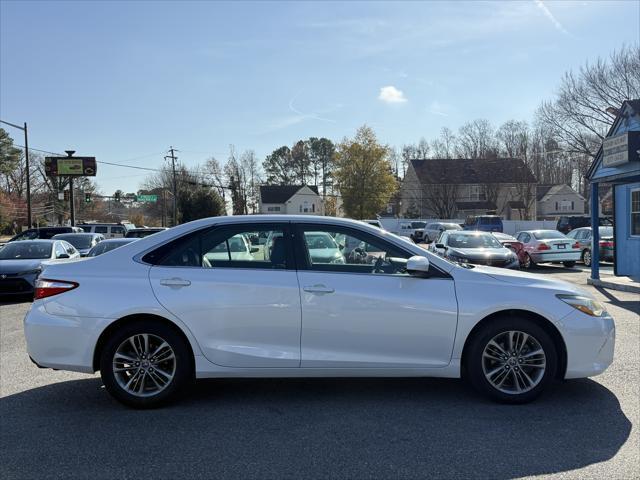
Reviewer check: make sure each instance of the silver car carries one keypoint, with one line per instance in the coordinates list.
(548, 246)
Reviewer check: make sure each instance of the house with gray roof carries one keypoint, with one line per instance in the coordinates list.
(553, 201)
(291, 200)
(458, 187)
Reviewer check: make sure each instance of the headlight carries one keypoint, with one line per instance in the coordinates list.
(586, 305)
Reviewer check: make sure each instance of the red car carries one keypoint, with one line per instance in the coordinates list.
(512, 244)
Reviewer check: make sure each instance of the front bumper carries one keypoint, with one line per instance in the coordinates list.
(555, 256)
(590, 343)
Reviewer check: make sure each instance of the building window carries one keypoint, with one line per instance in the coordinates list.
(475, 193)
(273, 209)
(635, 212)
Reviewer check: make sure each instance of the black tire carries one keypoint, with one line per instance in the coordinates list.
(182, 375)
(586, 257)
(473, 361)
(569, 264)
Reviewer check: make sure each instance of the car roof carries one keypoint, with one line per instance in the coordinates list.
(469, 232)
(77, 234)
(119, 240)
(37, 240)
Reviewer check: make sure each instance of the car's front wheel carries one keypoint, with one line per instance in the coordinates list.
(145, 364)
(586, 257)
(511, 360)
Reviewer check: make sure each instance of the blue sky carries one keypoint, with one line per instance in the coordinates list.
(124, 81)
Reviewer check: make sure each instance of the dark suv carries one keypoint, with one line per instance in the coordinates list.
(566, 224)
(484, 223)
(44, 233)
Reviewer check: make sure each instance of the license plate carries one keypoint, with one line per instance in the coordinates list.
(562, 245)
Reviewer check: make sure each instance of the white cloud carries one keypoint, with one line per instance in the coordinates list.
(549, 15)
(391, 94)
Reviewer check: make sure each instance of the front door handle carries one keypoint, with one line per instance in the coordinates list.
(175, 282)
(318, 289)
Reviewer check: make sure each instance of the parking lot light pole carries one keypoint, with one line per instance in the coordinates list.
(72, 206)
(26, 158)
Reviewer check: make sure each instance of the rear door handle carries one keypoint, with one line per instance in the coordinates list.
(318, 289)
(175, 282)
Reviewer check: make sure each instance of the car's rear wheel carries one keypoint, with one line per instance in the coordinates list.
(145, 364)
(511, 360)
(527, 263)
(586, 257)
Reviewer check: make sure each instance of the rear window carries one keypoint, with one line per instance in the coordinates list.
(548, 235)
(490, 220)
(86, 228)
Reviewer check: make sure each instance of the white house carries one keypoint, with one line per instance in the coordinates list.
(290, 200)
(555, 200)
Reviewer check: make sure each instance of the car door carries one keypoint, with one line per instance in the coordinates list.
(363, 310)
(244, 311)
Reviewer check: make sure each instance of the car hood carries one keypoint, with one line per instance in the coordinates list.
(18, 266)
(479, 253)
(523, 279)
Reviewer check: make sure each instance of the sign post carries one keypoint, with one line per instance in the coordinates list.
(71, 167)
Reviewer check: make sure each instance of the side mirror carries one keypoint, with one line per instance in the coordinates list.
(63, 255)
(418, 266)
(441, 245)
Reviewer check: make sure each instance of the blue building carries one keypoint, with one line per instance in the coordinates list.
(618, 163)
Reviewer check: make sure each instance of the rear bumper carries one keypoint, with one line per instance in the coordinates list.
(555, 256)
(64, 343)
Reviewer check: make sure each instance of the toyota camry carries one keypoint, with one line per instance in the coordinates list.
(156, 313)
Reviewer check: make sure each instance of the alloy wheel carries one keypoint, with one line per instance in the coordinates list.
(514, 362)
(586, 258)
(144, 365)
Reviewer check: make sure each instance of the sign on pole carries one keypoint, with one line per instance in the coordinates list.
(70, 166)
(147, 198)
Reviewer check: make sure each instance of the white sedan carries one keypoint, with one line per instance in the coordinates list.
(154, 314)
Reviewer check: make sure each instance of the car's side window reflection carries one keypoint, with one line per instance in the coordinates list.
(229, 247)
(347, 250)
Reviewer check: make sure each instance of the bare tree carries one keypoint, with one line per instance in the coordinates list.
(441, 198)
(445, 145)
(578, 116)
(476, 139)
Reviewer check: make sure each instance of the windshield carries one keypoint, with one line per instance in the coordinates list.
(104, 247)
(452, 226)
(605, 231)
(418, 224)
(25, 251)
(473, 241)
(548, 235)
(319, 240)
(78, 241)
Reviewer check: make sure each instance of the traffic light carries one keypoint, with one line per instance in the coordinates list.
(116, 196)
(87, 198)
(66, 195)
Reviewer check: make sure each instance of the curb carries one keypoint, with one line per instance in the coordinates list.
(614, 285)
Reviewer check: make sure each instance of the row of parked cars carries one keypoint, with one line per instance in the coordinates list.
(524, 250)
(24, 256)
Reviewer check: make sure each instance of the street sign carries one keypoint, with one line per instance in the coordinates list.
(147, 198)
(70, 166)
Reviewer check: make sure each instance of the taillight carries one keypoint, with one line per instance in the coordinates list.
(46, 287)
(576, 245)
(606, 243)
(544, 246)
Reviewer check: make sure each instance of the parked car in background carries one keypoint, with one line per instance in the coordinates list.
(584, 236)
(44, 233)
(21, 263)
(512, 244)
(408, 228)
(83, 242)
(434, 229)
(568, 223)
(548, 246)
(478, 248)
(143, 232)
(405, 312)
(484, 223)
(109, 244)
(108, 230)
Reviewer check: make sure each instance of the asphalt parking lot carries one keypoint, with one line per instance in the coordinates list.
(64, 425)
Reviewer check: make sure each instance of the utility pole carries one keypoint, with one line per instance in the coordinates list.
(26, 158)
(72, 204)
(175, 186)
